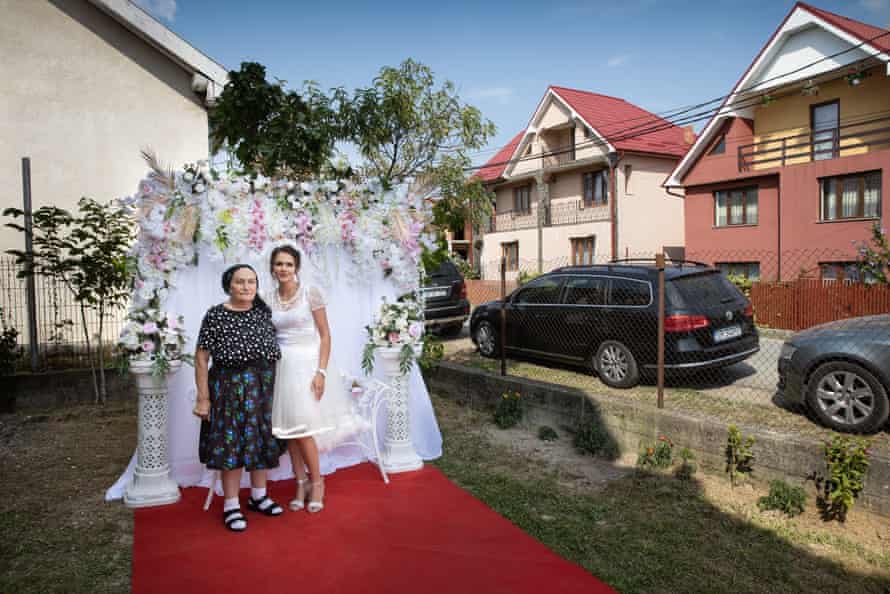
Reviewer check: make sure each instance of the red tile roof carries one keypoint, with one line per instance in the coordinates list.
(864, 32)
(624, 124)
(620, 122)
(496, 165)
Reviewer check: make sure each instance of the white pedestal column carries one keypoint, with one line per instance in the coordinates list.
(151, 484)
(398, 449)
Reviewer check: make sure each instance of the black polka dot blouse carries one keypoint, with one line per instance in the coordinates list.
(234, 338)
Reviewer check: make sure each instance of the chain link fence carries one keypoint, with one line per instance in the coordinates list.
(60, 330)
(725, 325)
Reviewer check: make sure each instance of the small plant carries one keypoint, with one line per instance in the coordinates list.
(687, 466)
(847, 461)
(509, 410)
(785, 498)
(742, 283)
(546, 433)
(593, 438)
(431, 354)
(739, 457)
(660, 455)
(9, 349)
(525, 277)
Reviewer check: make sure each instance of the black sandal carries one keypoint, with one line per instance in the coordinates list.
(270, 510)
(232, 516)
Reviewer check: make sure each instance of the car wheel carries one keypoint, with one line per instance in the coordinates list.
(847, 397)
(616, 365)
(450, 331)
(486, 338)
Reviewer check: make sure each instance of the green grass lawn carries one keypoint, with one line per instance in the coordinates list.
(656, 533)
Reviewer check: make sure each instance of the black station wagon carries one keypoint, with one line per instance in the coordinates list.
(606, 318)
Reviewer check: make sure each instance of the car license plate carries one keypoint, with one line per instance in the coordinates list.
(727, 333)
(437, 293)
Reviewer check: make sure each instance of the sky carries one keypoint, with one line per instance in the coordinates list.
(658, 54)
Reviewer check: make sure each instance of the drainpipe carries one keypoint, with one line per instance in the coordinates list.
(779, 228)
(613, 159)
(543, 205)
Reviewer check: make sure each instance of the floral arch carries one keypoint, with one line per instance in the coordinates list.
(361, 245)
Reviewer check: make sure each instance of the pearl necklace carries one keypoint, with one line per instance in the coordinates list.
(284, 303)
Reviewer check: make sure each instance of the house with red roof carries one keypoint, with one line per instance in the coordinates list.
(583, 183)
(790, 174)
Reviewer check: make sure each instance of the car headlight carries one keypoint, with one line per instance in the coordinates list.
(787, 351)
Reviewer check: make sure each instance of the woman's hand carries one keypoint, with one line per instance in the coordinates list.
(318, 385)
(202, 409)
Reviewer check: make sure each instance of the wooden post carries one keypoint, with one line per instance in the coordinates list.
(659, 263)
(503, 333)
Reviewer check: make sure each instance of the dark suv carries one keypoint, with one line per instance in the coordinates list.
(445, 294)
(606, 317)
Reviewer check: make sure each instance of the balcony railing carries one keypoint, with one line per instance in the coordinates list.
(563, 155)
(514, 220)
(830, 143)
(575, 212)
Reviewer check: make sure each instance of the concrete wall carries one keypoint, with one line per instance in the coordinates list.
(82, 96)
(648, 217)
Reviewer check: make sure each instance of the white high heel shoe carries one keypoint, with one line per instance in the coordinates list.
(299, 502)
(316, 506)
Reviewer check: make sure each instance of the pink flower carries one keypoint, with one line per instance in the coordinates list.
(393, 337)
(148, 346)
(415, 329)
(172, 322)
(149, 328)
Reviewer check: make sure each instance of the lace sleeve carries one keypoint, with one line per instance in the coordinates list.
(316, 299)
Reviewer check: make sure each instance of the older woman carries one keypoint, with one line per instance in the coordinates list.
(235, 395)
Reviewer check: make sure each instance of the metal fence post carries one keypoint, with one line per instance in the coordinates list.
(31, 289)
(659, 263)
(503, 333)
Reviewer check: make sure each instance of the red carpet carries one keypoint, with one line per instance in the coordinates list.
(420, 533)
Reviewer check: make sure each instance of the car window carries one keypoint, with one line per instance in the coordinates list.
(707, 288)
(585, 290)
(540, 291)
(629, 292)
(446, 269)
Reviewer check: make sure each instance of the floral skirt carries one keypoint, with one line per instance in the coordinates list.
(238, 433)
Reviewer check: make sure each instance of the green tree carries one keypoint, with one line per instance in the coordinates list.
(404, 123)
(274, 131)
(87, 255)
(874, 259)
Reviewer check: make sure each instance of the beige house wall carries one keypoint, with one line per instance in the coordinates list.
(82, 96)
(491, 253)
(558, 242)
(648, 217)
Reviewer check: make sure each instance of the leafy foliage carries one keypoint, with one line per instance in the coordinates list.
(874, 260)
(593, 438)
(660, 455)
(786, 498)
(9, 349)
(547, 433)
(739, 457)
(847, 462)
(687, 467)
(432, 353)
(509, 410)
(274, 131)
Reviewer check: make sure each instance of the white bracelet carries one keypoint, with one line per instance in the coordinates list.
(323, 373)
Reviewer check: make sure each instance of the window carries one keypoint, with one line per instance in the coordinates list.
(528, 150)
(719, 147)
(596, 188)
(851, 196)
(846, 271)
(747, 270)
(589, 290)
(510, 253)
(735, 207)
(522, 199)
(628, 173)
(824, 121)
(582, 250)
(588, 133)
(630, 292)
(541, 291)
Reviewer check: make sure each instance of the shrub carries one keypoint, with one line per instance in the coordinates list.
(847, 462)
(687, 467)
(660, 455)
(546, 433)
(743, 284)
(509, 410)
(525, 277)
(593, 438)
(739, 457)
(9, 349)
(432, 353)
(785, 498)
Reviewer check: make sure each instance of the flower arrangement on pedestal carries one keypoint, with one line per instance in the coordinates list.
(156, 336)
(398, 325)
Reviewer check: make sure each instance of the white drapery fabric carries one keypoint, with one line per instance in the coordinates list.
(350, 307)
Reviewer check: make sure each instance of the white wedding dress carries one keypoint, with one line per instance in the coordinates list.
(296, 412)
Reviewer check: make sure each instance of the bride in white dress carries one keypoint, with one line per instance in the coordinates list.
(311, 408)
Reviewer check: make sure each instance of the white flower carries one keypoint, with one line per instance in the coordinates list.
(188, 176)
(199, 188)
